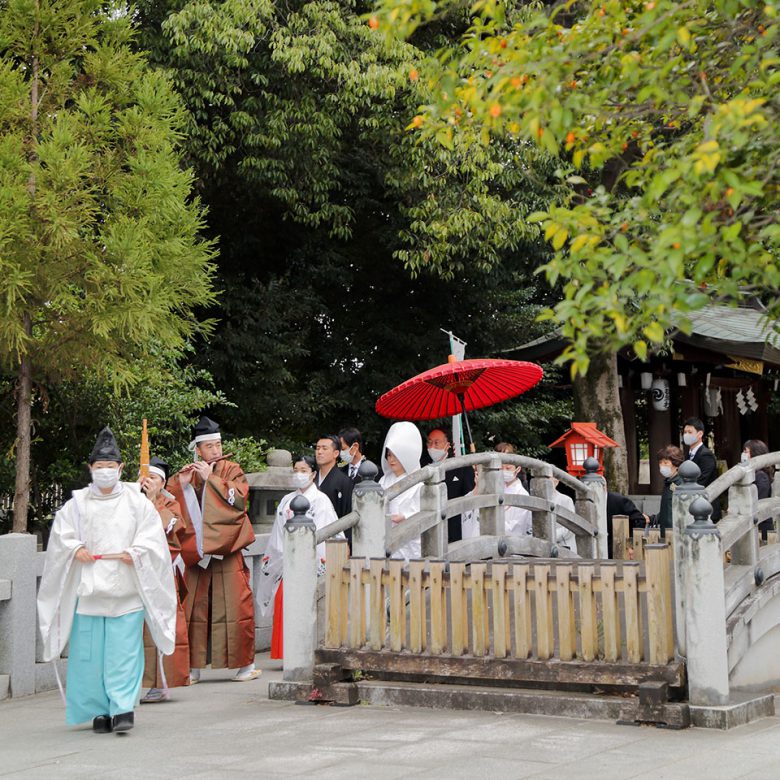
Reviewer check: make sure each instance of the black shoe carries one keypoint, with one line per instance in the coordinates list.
(102, 724)
(123, 722)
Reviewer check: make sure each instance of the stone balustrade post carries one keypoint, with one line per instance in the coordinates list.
(18, 624)
(705, 610)
(300, 593)
(369, 536)
(491, 518)
(433, 498)
(682, 497)
(743, 501)
(595, 509)
(542, 486)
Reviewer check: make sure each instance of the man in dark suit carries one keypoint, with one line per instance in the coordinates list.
(352, 455)
(332, 481)
(459, 481)
(702, 456)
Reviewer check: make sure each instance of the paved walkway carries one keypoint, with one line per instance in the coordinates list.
(223, 729)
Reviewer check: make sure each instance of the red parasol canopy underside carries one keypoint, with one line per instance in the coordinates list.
(436, 393)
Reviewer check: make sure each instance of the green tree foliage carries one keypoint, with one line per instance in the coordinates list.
(101, 259)
(321, 197)
(665, 115)
(169, 394)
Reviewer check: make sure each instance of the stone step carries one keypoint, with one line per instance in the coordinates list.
(625, 709)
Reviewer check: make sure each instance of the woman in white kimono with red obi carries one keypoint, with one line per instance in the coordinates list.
(270, 593)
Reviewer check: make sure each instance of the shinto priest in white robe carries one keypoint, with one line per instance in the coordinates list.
(124, 520)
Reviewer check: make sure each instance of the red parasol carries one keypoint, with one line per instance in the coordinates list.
(457, 387)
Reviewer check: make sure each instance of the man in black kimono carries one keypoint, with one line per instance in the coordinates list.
(330, 479)
(460, 481)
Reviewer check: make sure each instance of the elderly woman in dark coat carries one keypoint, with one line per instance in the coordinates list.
(669, 460)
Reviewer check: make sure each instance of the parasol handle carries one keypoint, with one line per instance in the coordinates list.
(472, 447)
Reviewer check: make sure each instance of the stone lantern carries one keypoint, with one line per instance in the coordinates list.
(266, 489)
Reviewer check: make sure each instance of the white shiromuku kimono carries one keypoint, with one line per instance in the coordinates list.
(405, 442)
(321, 511)
(124, 520)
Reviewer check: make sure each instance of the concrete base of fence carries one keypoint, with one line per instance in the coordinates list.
(469, 697)
(741, 709)
(5, 686)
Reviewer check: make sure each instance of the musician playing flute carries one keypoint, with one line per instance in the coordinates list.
(107, 568)
(212, 492)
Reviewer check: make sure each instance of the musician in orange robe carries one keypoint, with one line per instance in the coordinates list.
(213, 492)
(176, 667)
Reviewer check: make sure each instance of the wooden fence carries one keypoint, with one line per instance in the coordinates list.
(541, 609)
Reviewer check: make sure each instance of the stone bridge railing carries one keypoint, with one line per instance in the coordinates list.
(373, 535)
(718, 568)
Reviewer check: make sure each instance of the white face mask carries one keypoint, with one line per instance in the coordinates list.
(666, 471)
(346, 456)
(105, 478)
(301, 480)
(509, 476)
(690, 439)
(436, 454)
(744, 458)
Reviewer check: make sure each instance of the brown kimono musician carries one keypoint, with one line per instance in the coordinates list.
(219, 606)
(176, 666)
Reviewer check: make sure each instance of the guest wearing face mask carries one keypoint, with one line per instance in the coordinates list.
(269, 594)
(460, 482)
(669, 460)
(107, 569)
(517, 521)
(752, 449)
(702, 456)
(352, 455)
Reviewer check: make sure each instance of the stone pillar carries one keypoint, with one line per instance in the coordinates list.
(743, 501)
(491, 519)
(18, 615)
(682, 498)
(544, 520)
(433, 498)
(369, 536)
(595, 510)
(705, 610)
(300, 593)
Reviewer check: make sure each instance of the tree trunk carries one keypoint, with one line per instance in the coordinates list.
(597, 399)
(23, 438)
(24, 377)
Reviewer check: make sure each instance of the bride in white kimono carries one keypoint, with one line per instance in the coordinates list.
(401, 456)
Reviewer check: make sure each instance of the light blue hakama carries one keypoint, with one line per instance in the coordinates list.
(105, 666)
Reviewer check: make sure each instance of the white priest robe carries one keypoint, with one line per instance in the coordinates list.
(124, 520)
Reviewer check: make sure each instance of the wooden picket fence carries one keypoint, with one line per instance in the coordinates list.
(541, 609)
